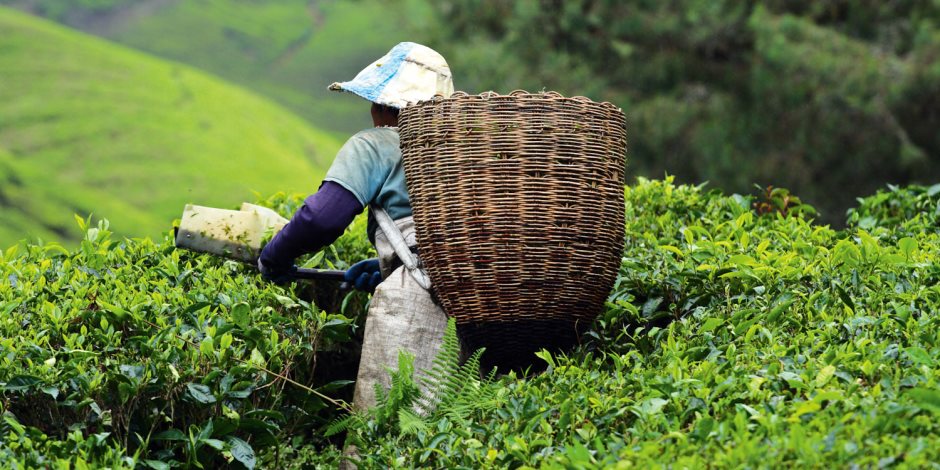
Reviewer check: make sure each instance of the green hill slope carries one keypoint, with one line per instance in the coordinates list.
(88, 126)
(287, 50)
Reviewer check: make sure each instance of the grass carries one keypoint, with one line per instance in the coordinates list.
(89, 126)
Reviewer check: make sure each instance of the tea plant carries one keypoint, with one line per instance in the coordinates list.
(897, 210)
(730, 339)
(779, 200)
(128, 352)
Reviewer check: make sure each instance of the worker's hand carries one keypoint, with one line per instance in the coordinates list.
(279, 276)
(365, 275)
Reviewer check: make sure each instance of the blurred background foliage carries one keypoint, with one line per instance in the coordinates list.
(831, 99)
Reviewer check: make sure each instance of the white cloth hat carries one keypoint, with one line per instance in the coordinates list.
(407, 74)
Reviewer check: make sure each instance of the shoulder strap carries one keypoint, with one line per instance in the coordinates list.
(397, 240)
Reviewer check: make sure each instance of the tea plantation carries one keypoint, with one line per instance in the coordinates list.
(731, 339)
(88, 126)
(288, 51)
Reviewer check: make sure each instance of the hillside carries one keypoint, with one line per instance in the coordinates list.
(829, 101)
(91, 127)
(286, 50)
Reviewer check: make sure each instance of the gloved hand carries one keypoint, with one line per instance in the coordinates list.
(279, 276)
(365, 275)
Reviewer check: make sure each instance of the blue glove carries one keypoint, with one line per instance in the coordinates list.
(365, 275)
(279, 276)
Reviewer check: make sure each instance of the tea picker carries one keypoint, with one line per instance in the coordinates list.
(367, 172)
(516, 203)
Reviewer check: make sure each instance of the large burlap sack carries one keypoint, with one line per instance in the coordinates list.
(402, 317)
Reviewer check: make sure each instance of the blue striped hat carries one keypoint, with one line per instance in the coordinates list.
(407, 74)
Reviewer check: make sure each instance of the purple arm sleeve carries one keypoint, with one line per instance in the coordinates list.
(319, 222)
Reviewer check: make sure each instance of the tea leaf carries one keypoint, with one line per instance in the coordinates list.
(225, 342)
(926, 398)
(242, 452)
(157, 465)
(21, 383)
(214, 443)
(710, 324)
(824, 375)
(908, 246)
(919, 355)
(200, 393)
(650, 306)
(206, 346)
(240, 314)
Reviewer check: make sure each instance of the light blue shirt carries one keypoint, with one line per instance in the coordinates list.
(369, 166)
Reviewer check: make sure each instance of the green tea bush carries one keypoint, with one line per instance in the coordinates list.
(733, 337)
(730, 340)
(898, 210)
(129, 352)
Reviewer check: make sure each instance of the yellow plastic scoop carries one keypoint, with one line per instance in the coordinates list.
(238, 235)
(229, 233)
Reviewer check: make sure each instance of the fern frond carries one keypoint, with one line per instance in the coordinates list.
(343, 423)
(403, 389)
(465, 375)
(449, 390)
(445, 363)
(410, 423)
(381, 395)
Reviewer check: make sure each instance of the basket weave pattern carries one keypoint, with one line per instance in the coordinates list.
(518, 205)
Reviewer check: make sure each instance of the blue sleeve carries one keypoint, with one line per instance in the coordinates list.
(359, 168)
(319, 222)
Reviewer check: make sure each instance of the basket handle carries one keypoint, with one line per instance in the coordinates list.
(397, 240)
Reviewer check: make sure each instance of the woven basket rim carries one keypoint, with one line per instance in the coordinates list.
(492, 95)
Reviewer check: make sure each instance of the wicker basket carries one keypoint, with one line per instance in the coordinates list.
(518, 206)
